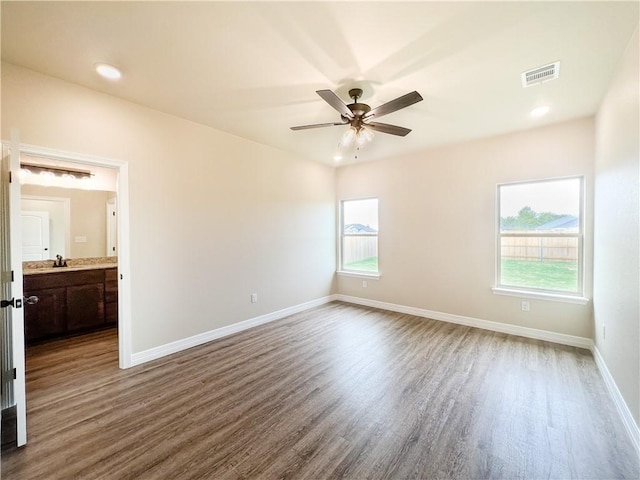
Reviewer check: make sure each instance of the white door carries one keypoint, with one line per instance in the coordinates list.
(12, 315)
(35, 236)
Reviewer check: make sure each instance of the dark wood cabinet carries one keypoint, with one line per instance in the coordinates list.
(48, 317)
(70, 302)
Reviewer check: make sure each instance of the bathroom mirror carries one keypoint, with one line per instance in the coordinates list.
(68, 209)
(73, 223)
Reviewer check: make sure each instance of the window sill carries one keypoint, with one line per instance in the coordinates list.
(553, 297)
(346, 273)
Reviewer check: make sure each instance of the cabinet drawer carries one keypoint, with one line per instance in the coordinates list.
(63, 279)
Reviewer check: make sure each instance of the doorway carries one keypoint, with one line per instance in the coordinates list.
(12, 351)
(119, 228)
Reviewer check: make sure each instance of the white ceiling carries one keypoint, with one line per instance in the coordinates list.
(252, 69)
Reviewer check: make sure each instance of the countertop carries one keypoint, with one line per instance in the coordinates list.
(73, 265)
(96, 266)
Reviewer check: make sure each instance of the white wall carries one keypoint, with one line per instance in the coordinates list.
(616, 287)
(213, 217)
(437, 223)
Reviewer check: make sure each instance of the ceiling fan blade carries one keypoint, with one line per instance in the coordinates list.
(400, 102)
(386, 128)
(333, 100)
(318, 125)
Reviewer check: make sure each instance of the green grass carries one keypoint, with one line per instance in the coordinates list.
(550, 275)
(366, 265)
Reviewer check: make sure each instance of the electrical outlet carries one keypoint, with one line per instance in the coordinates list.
(254, 298)
(525, 305)
(364, 284)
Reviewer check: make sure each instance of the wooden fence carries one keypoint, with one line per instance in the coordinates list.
(517, 248)
(359, 248)
(540, 248)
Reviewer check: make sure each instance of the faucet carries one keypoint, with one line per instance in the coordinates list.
(60, 262)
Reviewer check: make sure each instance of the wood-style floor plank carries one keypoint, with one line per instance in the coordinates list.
(339, 391)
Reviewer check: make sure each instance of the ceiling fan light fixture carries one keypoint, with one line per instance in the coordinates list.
(349, 137)
(364, 136)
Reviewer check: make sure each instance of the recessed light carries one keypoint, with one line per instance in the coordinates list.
(108, 71)
(540, 111)
(337, 157)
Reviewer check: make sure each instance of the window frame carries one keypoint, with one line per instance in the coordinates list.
(341, 268)
(569, 296)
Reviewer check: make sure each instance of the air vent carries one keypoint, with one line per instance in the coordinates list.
(541, 74)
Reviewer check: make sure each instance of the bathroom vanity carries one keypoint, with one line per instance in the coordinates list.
(73, 299)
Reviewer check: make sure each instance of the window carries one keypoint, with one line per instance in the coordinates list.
(359, 235)
(540, 232)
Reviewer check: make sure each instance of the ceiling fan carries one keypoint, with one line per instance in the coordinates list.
(360, 115)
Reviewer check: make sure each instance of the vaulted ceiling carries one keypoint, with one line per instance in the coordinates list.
(252, 68)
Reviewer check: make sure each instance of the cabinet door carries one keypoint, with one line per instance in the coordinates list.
(85, 306)
(111, 313)
(47, 317)
(111, 296)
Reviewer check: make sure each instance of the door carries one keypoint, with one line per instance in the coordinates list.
(35, 236)
(12, 316)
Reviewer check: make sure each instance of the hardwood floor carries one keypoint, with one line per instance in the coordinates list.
(339, 391)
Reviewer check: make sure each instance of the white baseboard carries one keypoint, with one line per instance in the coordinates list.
(623, 410)
(179, 345)
(554, 337)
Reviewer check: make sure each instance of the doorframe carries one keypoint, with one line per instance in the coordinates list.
(112, 211)
(124, 259)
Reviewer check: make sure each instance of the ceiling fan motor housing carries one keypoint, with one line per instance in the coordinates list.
(359, 110)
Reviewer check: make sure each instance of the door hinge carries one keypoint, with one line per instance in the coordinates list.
(12, 278)
(10, 178)
(9, 375)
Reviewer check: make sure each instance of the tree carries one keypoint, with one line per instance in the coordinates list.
(527, 219)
